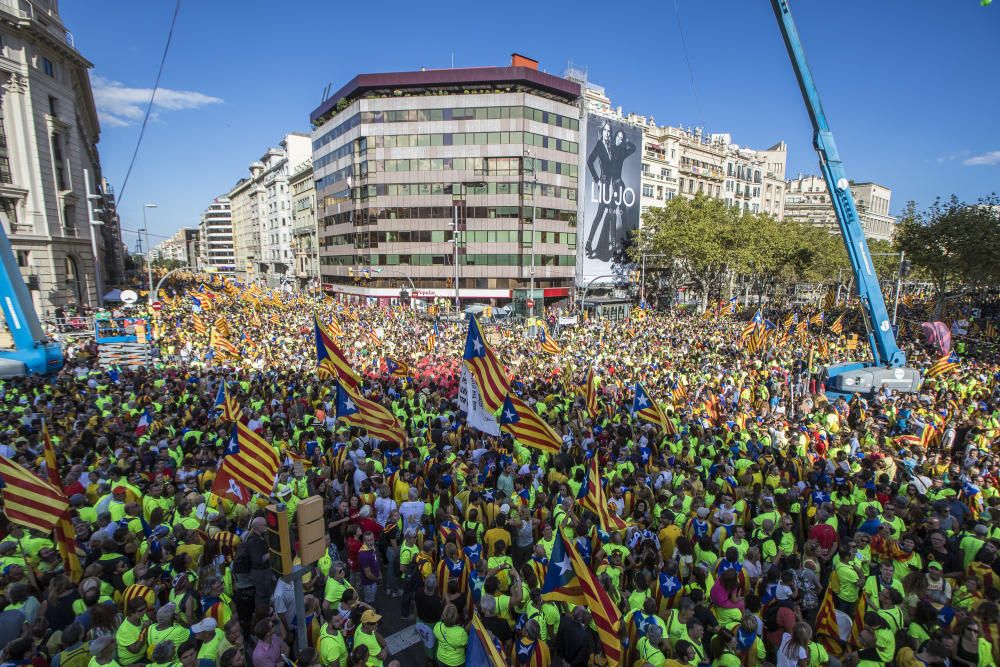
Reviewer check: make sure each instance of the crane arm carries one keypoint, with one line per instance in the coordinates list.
(22, 321)
(34, 352)
(881, 338)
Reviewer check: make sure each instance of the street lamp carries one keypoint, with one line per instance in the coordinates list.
(531, 290)
(95, 223)
(145, 229)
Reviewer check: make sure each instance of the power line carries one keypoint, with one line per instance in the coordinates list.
(149, 109)
(687, 58)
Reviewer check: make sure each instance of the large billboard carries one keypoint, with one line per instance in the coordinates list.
(612, 166)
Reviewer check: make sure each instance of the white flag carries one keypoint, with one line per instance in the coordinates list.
(470, 400)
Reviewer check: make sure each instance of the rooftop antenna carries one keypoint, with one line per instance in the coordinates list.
(453, 60)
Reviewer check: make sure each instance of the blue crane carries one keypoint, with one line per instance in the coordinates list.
(34, 353)
(888, 366)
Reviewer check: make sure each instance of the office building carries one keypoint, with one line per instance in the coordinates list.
(216, 238)
(262, 216)
(808, 200)
(399, 157)
(50, 173)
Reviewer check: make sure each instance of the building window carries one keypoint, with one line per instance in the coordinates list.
(53, 106)
(645, 167)
(57, 159)
(647, 191)
(48, 67)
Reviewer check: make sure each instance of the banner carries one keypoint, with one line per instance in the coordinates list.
(610, 203)
(470, 400)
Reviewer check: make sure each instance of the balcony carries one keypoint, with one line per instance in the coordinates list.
(22, 228)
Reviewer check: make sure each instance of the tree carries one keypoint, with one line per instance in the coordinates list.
(697, 236)
(954, 243)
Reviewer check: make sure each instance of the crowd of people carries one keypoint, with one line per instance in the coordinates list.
(766, 524)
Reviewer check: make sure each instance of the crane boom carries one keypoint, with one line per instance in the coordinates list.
(34, 353)
(888, 368)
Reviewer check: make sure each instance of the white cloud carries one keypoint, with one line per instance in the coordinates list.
(120, 106)
(986, 159)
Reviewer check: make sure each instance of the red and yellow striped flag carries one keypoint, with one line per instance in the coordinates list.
(222, 326)
(490, 374)
(838, 325)
(29, 500)
(65, 534)
(603, 611)
(593, 498)
(331, 362)
(526, 426)
(199, 325)
(827, 631)
(590, 393)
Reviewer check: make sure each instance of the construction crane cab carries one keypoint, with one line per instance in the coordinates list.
(888, 369)
(34, 353)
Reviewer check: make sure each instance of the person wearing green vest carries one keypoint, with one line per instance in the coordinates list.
(368, 635)
(166, 629)
(451, 638)
(130, 636)
(331, 644)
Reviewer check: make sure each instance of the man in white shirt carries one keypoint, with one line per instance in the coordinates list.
(412, 511)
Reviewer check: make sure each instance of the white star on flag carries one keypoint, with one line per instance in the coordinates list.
(349, 405)
(509, 416)
(477, 345)
(565, 565)
(642, 400)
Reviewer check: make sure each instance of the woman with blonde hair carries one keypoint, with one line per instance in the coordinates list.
(451, 638)
(794, 648)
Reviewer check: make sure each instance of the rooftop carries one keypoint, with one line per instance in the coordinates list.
(522, 72)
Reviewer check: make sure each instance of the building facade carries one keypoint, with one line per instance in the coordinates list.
(262, 215)
(685, 162)
(50, 175)
(399, 158)
(808, 200)
(215, 234)
(305, 245)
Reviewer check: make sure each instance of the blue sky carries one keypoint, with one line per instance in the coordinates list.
(910, 86)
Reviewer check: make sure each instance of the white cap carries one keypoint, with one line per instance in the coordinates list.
(207, 624)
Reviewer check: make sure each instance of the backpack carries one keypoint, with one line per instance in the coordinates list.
(78, 656)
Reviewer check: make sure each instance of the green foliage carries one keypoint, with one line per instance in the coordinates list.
(701, 241)
(953, 243)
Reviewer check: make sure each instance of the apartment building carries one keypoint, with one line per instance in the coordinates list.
(807, 199)
(50, 173)
(215, 234)
(261, 208)
(305, 245)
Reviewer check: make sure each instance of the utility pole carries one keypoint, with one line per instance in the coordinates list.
(145, 228)
(458, 272)
(899, 286)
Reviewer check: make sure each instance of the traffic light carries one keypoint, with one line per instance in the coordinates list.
(633, 277)
(311, 530)
(279, 542)
(904, 268)
(404, 297)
